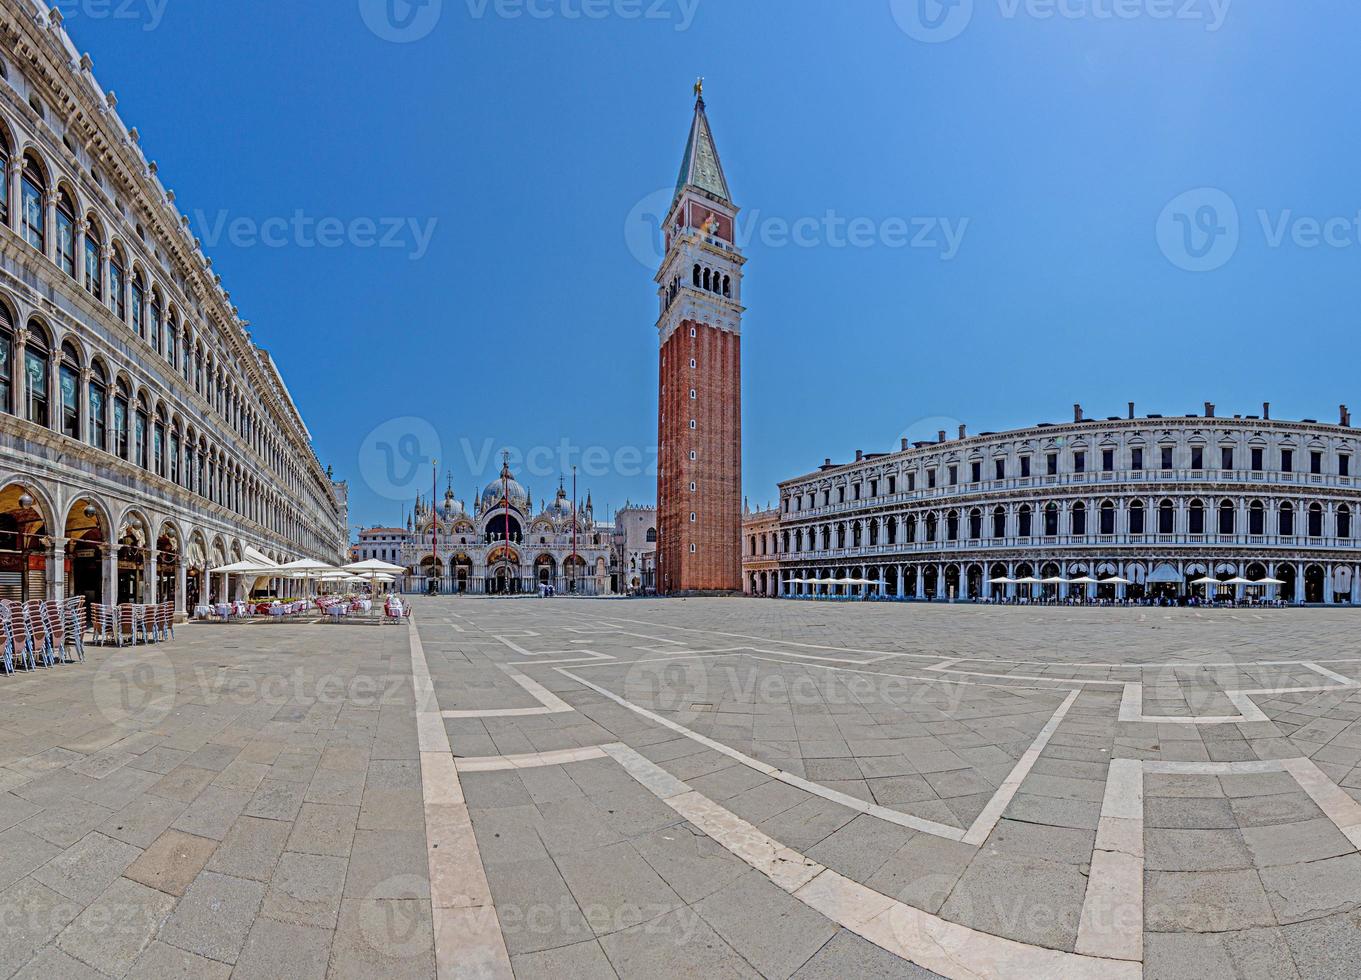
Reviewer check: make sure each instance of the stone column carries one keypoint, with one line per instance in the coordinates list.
(181, 590)
(81, 231)
(1328, 585)
(111, 575)
(1299, 582)
(921, 582)
(16, 200)
(151, 586)
(56, 563)
(50, 210)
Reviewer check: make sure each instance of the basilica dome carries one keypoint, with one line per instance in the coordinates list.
(502, 487)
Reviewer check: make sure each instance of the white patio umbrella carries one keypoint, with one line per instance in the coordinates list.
(1239, 580)
(1116, 580)
(305, 568)
(1084, 580)
(371, 569)
(1269, 581)
(1002, 581)
(1055, 580)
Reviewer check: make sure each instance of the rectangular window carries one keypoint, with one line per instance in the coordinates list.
(1051, 464)
(1287, 461)
(954, 475)
(94, 277)
(999, 469)
(1167, 457)
(97, 427)
(70, 403)
(66, 243)
(139, 440)
(1025, 466)
(1226, 457)
(931, 478)
(116, 298)
(1197, 458)
(120, 427)
(874, 488)
(1136, 459)
(1316, 463)
(1344, 466)
(36, 365)
(1079, 462)
(35, 217)
(892, 485)
(1108, 460)
(855, 492)
(1257, 462)
(911, 482)
(976, 473)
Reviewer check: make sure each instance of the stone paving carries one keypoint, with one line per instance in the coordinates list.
(693, 788)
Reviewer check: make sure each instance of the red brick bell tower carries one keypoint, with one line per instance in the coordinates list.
(699, 479)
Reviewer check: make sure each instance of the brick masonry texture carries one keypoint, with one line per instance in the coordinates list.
(716, 564)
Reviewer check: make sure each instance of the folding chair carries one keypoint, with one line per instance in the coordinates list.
(7, 642)
(74, 612)
(127, 624)
(56, 630)
(169, 614)
(39, 645)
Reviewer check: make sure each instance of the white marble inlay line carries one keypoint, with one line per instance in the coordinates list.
(549, 703)
(468, 938)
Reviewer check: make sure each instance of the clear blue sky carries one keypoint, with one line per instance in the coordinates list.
(531, 140)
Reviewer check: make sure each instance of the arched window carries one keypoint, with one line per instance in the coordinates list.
(1078, 518)
(1286, 520)
(94, 258)
(999, 522)
(118, 285)
(706, 279)
(1315, 520)
(121, 409)
(138, 306)
(98, 394)
(952, 526)
(1167, 515)
(931, 522)
(652, 535)
(1227, 517)
(1344, 522)
(911, 525)
(975, 523)
(1136, 517)
(1256, 518)
(37, 358)
(1023, 521)
(33, 188)
(66, 233)
(68, 379)
(1196, 518)
(6, 360)
(1051, 519)
(696, 275)
(727, 286)
(1107, 517)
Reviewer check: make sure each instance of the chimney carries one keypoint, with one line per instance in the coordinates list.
(859, 456)
(904, 443)
(1209, 410)
(827, 461)
(1266, 410)
(1344, 416)
(940, 436)
(1077, 413)
(1131, 410)
(963, 430)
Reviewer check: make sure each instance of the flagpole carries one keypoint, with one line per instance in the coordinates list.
(574, 526)
(434, 523)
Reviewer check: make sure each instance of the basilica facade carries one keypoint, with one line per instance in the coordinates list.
(505, 546)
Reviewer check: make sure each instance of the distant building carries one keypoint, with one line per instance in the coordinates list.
(635, 548)
(760, 551)
(382, 543)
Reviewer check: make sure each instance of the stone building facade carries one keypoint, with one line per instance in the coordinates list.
(1157, 501)
(635, 548)
(144, 436)
(699, 481)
